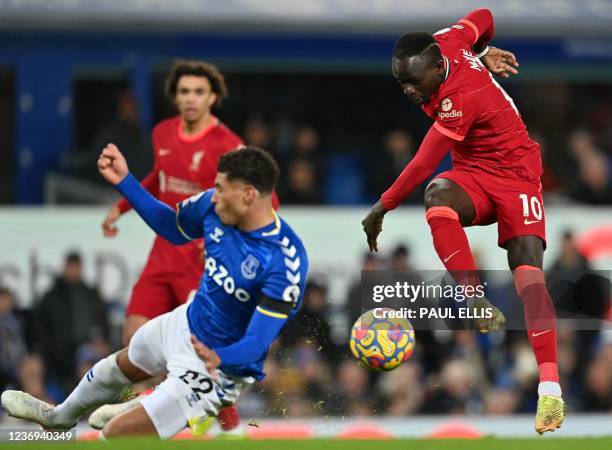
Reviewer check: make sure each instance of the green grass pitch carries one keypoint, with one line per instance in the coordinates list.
(536, 443)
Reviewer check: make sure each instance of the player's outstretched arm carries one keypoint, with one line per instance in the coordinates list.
(266, 323)
(434, 147)
(159, 216)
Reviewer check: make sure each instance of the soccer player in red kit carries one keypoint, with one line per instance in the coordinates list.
(495, 175)
(186, 150)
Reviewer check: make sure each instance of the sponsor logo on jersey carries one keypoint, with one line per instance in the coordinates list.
(446, 110)
(216, 235)
(447, 104)
(196, 159)
(529, 222)
(249, 267)
(219, 274)
(450, 115)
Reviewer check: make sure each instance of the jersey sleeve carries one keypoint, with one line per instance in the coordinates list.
(480, 26)
(474, 30)
(151, 181)
(190, 214)
(455, 116)
(286, 278)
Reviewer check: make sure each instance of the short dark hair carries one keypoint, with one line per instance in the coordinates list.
(251, 165)
(401, 251)
(73, 256)
(417, 43)
(197, 69)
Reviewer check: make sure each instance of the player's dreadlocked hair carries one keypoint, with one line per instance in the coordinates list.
(252, 165)
(197, 69)
(417, 43)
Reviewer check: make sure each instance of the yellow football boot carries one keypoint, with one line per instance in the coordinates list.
(550, 413)
(485, 324)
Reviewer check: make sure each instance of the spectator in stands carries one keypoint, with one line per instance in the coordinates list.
(303, 168)
(549, 178)
(68, 315)
(591, 168)
(398, 150)
(31, 379)
(315, 377)
(403, 389)
(314, 327)
(569, 257)
(307, 147)
(125, 131)
(257, 133)
(524, 373)
(301, 184)
(352, 395)
(466, 348)
(88, 354)
(458, 391)
(370, 262)
(597, 395)
(501, 401)
(400, 259)
(401, 266)
(12, 340)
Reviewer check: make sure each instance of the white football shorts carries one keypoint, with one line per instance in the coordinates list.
(163, 345)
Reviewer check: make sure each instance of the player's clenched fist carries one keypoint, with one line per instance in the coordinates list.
(112, 165)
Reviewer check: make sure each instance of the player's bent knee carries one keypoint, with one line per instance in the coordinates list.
(129, 369)
(438, 194)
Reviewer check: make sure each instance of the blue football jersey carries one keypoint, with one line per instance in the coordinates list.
(240, 267)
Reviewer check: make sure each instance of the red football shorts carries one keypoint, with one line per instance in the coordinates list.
(514, 203)
(169, 277)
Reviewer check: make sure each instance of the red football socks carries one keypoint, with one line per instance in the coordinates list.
(229, 418)
(540, 319)
(449, 239)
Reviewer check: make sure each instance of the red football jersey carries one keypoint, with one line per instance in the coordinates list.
(185, 165)
(474, 110)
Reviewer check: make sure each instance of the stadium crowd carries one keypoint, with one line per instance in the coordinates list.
(310, 372)
(325, 156)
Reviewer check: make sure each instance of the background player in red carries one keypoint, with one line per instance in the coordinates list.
(186, 150)
(495, 175)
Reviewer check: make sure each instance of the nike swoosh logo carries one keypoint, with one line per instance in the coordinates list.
(450, 256)
(529, 222)
(164, 152)
(533, 334)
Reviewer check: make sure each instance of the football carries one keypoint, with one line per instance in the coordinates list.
(380, 343)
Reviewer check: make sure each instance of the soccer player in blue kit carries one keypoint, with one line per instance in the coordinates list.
(215, 346)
